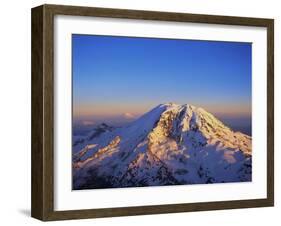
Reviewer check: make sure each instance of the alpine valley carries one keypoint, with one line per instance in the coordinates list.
(170, 145)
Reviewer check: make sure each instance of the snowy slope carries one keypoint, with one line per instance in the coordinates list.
(171, 144)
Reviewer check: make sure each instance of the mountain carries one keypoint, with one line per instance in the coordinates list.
(170, 145)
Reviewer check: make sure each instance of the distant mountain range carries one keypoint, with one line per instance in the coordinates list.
(170, 145)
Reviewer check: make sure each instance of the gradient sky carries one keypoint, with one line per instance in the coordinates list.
(123, 77)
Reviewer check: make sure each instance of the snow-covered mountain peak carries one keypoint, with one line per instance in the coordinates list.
(171, 144)
(188, 116)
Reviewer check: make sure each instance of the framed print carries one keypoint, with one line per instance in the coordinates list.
(141, 112)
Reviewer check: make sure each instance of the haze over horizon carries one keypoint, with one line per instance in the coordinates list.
(117, 79)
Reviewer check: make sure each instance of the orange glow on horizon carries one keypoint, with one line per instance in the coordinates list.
(135, 110)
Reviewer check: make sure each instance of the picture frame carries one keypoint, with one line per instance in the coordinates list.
(43, 108)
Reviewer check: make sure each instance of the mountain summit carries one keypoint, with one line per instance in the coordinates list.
(170, 145)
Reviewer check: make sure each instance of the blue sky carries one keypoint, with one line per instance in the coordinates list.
(126, 75)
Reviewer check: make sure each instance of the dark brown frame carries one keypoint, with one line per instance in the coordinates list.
(42, 203)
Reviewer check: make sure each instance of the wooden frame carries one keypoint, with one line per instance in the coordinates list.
(43, 119)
